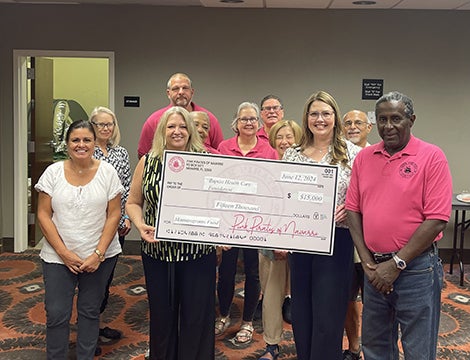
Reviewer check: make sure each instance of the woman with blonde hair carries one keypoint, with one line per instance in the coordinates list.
(181, 319)
(273, 266)
(283, 135)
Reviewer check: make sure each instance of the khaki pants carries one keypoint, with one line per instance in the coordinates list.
(273, 275)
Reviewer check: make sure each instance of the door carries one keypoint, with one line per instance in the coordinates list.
(40, 155)
(22, 121)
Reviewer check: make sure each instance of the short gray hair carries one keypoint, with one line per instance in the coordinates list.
(244, 105)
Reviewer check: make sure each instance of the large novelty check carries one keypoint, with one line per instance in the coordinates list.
(246, 202)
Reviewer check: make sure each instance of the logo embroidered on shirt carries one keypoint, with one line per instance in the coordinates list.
(408, 169)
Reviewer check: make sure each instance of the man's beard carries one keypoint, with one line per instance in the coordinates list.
(183, 102)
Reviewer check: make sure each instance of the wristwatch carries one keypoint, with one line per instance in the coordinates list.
(401, 264)
(100, 255)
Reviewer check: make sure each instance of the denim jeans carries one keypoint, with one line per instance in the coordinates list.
(413, 306)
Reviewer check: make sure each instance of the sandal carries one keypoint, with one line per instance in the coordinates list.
(245, 332)
(221, 324)
(272, 350)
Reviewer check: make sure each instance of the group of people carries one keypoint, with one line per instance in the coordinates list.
(393, 201)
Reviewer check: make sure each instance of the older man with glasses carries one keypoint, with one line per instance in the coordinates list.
(271, 112)
(357, 127)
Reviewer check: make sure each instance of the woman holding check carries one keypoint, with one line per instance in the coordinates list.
(181, 319)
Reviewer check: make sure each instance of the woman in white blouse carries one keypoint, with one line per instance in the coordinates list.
(78, 211)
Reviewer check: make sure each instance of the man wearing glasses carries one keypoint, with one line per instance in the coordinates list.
(180, 93)
(271, 112)
(357, 127)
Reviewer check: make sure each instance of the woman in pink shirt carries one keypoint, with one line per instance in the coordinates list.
(245, 143)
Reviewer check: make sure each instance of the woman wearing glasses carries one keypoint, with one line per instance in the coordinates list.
(245, 143)
(107, 148)
(319, 283)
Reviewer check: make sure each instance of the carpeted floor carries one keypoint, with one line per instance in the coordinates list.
(22, 330)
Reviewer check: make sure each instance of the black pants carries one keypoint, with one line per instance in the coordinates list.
(226, 285)
(320, 287)
(182, 308)
(110, 280)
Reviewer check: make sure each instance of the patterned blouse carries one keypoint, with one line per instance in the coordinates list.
(164, 250)
(344, 173)
(118, 157)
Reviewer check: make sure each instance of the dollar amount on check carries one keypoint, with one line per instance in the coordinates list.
(245, 202)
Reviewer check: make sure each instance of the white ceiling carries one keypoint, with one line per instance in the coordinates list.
(286, 4)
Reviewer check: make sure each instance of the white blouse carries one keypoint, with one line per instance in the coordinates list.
(79, 212)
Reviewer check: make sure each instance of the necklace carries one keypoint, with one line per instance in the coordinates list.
(321, 151)
(81, 171)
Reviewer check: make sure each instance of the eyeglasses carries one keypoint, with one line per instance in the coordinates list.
(247, 120)
(104, 125)
(326, 115)
(357, 123)
(273, 108)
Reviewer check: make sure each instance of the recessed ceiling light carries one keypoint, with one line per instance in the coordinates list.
(364, 2)
(232, 1)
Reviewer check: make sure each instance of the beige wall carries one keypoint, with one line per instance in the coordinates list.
(234, 55)
(90, 74)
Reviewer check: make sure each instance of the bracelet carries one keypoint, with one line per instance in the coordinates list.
(126, 217)
(100, 255)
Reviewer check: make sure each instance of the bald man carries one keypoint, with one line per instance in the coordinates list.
(357, 127)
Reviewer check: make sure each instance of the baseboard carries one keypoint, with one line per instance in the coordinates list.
(7, 245)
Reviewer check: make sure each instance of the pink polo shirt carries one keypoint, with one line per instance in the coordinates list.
(263, 134)
(395, 194)
(150, 125)
(261, 150)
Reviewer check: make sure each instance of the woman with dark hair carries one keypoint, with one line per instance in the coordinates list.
(78, 212)
(320, 284)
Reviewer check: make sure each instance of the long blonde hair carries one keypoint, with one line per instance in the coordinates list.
(339, 152)
(194, 143)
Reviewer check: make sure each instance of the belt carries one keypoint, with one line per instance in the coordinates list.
(382, 257)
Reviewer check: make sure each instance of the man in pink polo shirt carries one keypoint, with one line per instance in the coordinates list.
(180, 93)
(399, 201)
(272, 111)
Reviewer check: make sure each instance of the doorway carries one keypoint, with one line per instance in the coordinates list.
(24, 220)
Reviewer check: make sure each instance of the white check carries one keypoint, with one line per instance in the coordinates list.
(246, 202)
